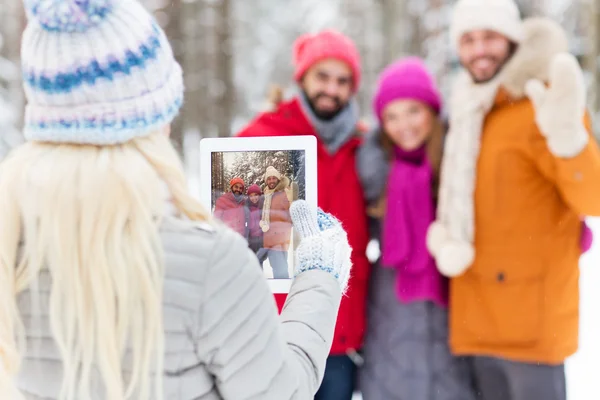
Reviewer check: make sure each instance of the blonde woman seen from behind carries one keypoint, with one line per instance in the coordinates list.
(116, 284)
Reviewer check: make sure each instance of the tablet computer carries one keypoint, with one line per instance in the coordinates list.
(249, 185)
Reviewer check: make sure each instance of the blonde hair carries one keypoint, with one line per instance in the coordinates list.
(89, 217)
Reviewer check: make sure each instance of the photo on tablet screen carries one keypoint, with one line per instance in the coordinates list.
(251, 192)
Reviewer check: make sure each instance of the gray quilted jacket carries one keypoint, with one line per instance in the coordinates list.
(224, 339)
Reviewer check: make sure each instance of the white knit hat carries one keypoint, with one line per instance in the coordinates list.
(500, 16)
(271, 171)
(96, 72)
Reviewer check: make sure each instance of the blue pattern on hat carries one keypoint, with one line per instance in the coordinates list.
(69, 15)
(64, 82)
(102, 131)
(101, 86)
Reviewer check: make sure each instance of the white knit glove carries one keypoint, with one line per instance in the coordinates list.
(324, 243)
(560, 108)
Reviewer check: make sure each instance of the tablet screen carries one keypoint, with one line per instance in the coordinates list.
(251, 186)
(251, 193)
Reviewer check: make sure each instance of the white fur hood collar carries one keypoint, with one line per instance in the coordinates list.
(450, 238)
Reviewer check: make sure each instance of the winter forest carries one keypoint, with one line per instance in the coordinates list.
(234, 52)
(251, 167)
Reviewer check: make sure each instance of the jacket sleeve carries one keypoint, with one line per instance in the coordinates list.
(280, 209)
(373, 168)
(251, 351)
(577, 178)
(219, 209)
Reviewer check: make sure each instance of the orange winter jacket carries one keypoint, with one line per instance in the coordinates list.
(520, 298)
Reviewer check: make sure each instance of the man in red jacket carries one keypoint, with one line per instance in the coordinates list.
(327, 70)
(231, 207)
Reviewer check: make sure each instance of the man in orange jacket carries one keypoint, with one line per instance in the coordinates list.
(520, 169)
(276, 222)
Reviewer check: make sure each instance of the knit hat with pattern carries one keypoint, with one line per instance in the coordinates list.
(96, 72)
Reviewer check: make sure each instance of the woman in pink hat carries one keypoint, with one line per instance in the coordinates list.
(406, 350)
(255, 203)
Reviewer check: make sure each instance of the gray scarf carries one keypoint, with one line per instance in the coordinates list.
(337, 131)
(238, 197)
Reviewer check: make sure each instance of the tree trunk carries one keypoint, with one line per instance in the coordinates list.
(12, 23)
(12, 97)
(224, 93)
(173, 32)
(397, 28)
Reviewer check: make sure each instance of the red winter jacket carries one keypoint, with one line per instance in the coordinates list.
(232, 212)
(339, 193)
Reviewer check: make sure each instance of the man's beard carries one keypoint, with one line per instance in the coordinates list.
(273, 185)
(325, 115)
(237, 192)
(478, 81)
(500, 64)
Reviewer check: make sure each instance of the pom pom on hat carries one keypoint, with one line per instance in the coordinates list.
(96, 72)
(310, 49)
(68, 15)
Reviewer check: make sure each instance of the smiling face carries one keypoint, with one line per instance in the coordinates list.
(272, 182)
(254, 198)
(237, 189)
(408, 123)
(483, 53)
(328, 87)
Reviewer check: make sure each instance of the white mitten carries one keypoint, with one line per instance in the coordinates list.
(324, 243)
(559, 109)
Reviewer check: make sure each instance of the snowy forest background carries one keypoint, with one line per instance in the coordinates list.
(251, 167)
(233, 50)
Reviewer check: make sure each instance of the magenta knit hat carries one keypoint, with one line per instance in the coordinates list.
(408, 78)
(309, 49)
(254, 189)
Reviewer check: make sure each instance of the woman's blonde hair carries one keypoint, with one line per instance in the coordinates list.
(88, 217)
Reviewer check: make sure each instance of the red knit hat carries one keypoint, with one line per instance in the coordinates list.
(254, 189)
(236, 180)
(309, 49)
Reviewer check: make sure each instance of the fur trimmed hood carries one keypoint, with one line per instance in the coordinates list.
(284, 182)
(542, 40)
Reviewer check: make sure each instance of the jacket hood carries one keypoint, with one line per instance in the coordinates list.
(283, 183)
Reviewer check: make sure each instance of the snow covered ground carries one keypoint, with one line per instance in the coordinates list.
(583, 369)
